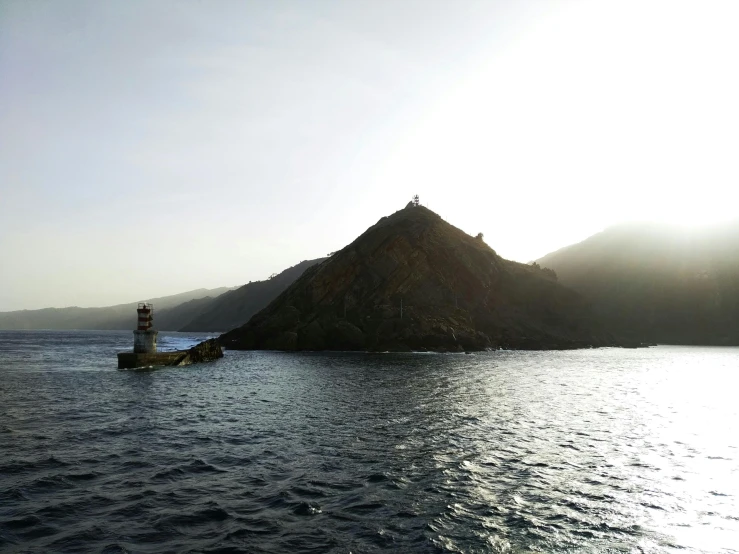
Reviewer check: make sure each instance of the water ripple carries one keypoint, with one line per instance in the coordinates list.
(586, 451)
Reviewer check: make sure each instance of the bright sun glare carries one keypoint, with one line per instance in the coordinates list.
(613, 111)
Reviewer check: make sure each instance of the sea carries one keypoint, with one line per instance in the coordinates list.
(603, 450)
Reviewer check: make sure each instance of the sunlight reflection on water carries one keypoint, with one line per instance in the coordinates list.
(603, 450)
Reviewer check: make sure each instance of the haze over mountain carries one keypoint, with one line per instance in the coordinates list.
(199, 310)
(121, 316)
(659, 283)
(413, 281)
(234, 308)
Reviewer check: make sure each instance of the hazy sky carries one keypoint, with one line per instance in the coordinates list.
(147, 148)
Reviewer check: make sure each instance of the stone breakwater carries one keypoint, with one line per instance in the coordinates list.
(206, 351)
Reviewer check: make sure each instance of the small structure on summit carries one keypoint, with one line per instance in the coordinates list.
(414, 203)
(145, 353)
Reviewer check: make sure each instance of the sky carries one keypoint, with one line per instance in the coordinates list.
(149, 148)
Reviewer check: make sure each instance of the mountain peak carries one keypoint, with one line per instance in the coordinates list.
(413, 281)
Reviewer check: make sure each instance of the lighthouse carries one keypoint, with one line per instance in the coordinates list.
(145, 337)
(145, 355)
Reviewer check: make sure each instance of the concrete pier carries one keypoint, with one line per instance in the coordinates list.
(206, 351)
(132, 360)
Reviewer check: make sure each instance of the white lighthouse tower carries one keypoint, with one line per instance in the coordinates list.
(145, 337)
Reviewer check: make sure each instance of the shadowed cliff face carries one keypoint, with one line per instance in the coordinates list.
(414, 282)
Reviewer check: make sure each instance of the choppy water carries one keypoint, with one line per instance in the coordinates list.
(583, 451)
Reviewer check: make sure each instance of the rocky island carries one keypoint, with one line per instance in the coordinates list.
(413, 282)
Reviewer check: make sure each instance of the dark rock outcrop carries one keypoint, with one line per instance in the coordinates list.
(206, 351)
(414, 282)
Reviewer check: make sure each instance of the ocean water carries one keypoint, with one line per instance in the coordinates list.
(605, 450)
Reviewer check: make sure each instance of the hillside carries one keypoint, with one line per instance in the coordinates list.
(657, 283)
(121, 316)
(235, 307)
(198, 310)
(414, 282)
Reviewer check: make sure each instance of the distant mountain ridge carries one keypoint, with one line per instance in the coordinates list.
(120, 316)
(204, 310)
(413, 281)
(659, 283)
(234, 308)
